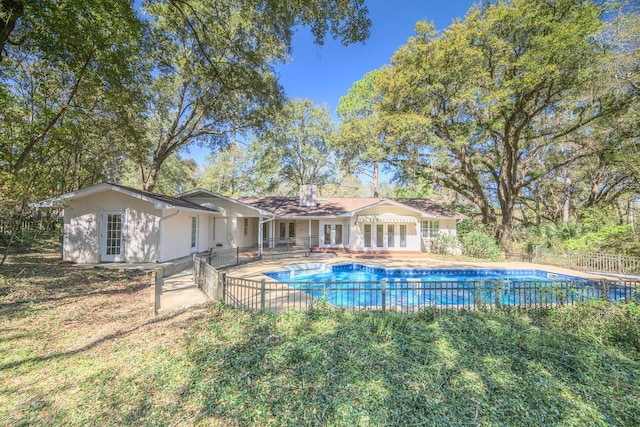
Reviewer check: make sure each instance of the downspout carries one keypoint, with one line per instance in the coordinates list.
(160, 233)
(260, 237)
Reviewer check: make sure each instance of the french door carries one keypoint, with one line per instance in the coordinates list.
(385, 236)
(332, 234)
(112, 236)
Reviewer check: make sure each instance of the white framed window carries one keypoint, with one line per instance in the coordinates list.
(194, 232)
(338, 234)
(403, 235)
(379, 235)
(246, 226)
(430, 229)
(292, 229)
(367, 235)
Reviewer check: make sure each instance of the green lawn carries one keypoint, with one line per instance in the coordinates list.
(80, 347)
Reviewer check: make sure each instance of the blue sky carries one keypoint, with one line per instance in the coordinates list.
(325, 73)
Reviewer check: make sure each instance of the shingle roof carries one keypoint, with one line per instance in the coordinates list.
(337, 206)
(428, 206)
(290, 206)
(174, 201)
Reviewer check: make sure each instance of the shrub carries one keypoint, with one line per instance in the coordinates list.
(609, 239)
(480, 245)
(445, 244)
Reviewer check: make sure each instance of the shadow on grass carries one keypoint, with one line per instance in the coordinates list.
(332, 367)
(34, 279)
(108, 337)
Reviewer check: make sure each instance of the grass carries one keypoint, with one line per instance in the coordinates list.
(79, 346)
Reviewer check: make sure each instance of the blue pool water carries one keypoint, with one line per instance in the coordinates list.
(364, 273)
(358, 285)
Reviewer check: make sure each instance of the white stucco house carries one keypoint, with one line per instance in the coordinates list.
(114, 223)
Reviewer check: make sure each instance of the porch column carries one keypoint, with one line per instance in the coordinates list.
(309, 234)
(259, 235)
(272, 230)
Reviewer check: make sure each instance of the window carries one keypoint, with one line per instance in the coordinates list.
(338, 234)
(430, 229)
(114, 234)
(283, 231)
(194, 231)
(367, 235)
(292, 229)
(391, 235)
(327, 234)
(246, 226)
(403, 236)
(379, 235)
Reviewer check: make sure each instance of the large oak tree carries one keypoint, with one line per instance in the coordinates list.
(214, 66)
(477, 106)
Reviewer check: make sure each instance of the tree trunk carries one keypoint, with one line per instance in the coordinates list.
(375, 180)
(150, 182)
(10, 12)
(566, 204)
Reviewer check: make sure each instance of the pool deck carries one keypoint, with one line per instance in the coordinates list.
(254, 271)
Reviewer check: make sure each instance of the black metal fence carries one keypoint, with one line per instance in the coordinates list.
(231, 257)
(414, 296)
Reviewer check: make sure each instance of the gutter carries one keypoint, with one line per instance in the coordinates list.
(160, 233)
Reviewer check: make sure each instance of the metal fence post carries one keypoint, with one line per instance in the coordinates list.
(497, 293)
(263, 293)
(384, 295)
(605, 289)
(195, 269)
(224, 286)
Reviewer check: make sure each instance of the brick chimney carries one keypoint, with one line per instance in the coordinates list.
(308, 196)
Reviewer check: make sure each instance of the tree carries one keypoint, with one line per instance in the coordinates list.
(177, 176)
(214, 66)
(361, 141)
(67, 75)
(296, 149)
(477, 104)
(231, 172)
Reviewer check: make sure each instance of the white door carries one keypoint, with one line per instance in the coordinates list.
(112, 236)
(332, 235)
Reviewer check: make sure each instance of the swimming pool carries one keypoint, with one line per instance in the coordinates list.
(354, 272)
(359, 285)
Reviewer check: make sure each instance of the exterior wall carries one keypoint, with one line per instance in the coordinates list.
(176, 234)
(83, 227)
(448, 226)
(251, 238)
(357, 239)
(445, 226)
(228, 229)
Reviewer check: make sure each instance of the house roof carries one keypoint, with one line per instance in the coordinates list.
(160, 201)
(343, 206)
(203, 192)
(290, 206)
(430, 207)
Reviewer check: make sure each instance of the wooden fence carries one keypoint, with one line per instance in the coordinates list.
(7, 225)
(601, 263)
